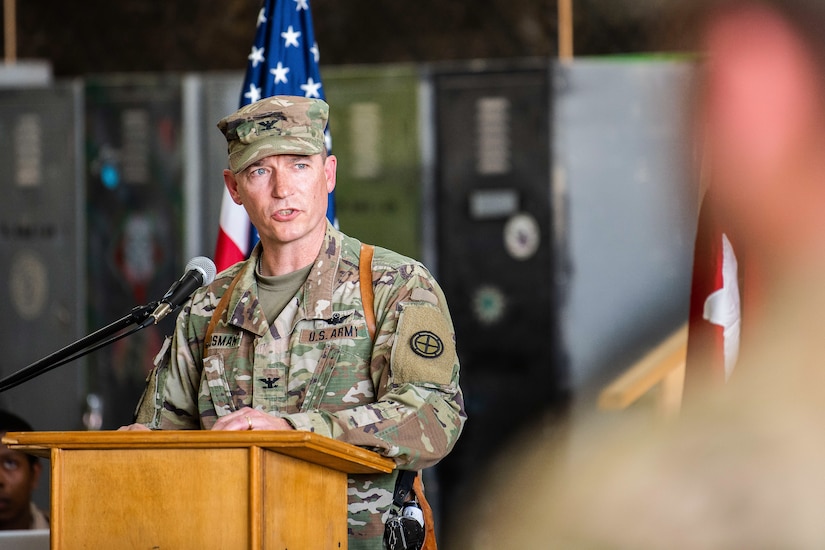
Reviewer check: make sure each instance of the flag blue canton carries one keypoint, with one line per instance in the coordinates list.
(284, 60)
(284, 56)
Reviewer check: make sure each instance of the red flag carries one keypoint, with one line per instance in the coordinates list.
(714, 325)
(233, 234)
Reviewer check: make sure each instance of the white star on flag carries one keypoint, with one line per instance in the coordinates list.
(257, 56)
(290, 37)
(311, 88)
(316, 53)
(279, 72)
(254, 93)
(261, 17)
(301, 5)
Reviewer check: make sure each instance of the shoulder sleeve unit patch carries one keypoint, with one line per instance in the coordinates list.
(424, 349)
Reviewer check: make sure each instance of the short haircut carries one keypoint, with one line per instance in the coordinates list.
(10, 422)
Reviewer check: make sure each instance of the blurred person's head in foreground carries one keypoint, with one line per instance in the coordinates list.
(761, 124)
(760, 129)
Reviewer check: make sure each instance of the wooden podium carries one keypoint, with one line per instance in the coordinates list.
(176, 490)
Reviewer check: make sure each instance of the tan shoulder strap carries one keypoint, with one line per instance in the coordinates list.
(429, 520)
(367, 292)
(223, 305)
(367, 300)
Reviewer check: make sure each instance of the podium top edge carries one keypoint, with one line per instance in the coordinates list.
(293, 443)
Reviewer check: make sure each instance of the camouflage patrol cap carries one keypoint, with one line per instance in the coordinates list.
(277, 125)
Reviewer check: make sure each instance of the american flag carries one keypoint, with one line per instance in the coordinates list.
(283, 61)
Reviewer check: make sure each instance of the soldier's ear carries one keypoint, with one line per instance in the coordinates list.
(330, 169)
(231, 183)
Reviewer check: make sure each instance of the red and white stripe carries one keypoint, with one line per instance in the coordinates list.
(233, 234)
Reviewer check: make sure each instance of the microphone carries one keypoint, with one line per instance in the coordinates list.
(199, 271)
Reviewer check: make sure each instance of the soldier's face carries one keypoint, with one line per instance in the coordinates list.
(18, 478)
(285, 197)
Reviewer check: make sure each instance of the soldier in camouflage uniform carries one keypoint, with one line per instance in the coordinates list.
(288, 345)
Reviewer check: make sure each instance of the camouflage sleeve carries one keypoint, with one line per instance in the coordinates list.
(419, 411)
(170, 399)
(149, 406)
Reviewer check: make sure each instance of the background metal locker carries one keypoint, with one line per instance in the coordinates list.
(135, 223)
(374, 128)
(495, 254)
(42, 253)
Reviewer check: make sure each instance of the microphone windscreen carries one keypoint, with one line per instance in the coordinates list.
(205, 266)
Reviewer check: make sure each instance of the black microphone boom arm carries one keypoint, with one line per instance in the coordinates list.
(199, 271)
(79, 348)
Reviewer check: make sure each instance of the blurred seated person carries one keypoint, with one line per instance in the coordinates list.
(19, 474)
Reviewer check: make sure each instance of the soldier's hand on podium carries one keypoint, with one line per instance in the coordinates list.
(251, 419)
(133, 428)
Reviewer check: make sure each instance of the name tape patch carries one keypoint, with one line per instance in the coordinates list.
(225, 341)
(329, 333)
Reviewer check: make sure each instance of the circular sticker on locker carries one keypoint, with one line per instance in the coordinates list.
(522, 236)
(28, 285)
(489, 304)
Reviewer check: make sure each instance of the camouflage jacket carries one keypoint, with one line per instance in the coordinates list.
(317, 367)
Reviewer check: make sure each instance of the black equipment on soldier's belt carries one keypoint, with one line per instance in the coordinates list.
(405, 528)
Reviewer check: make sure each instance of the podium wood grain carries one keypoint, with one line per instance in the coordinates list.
(198, 489)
